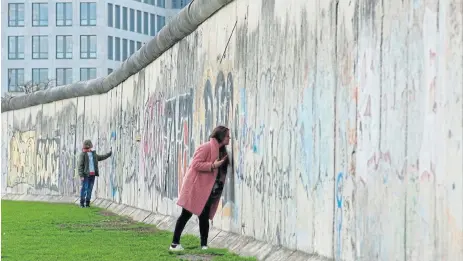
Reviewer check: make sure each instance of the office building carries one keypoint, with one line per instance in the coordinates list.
(58, 42)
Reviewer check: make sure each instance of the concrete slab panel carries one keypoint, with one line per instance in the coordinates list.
(258, 249)
(280, 254)
(106, 203)
(119, 209)
(168, 223)
(139, 215)
(127, 211)
(97, 202)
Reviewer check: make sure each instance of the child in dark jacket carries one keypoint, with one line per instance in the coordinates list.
(88, 170)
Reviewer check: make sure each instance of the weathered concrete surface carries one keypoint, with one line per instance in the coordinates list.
(346, 121)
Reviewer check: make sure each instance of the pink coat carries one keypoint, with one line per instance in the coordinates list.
(199, 180)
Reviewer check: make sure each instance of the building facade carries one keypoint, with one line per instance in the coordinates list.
(58, 42)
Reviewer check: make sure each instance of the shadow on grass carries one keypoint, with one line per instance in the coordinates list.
(113, 222)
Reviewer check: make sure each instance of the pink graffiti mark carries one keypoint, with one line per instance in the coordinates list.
(426, 175)
(432, 54)
(374, 161)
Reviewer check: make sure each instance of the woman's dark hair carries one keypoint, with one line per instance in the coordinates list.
(219, 133)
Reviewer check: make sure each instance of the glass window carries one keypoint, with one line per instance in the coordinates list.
(63, 76)
(152, 24)
(15, 79)
(16, 15)
(40, 47)
(15, 47)
(118, 49)
(146, 23)
(110, 48)
(179, 4)
(161, 22)
(138, 45)
(87, 74)
(88, 46)
(88, 14)
(132, 47)
(117, 10)
(63, 14)
(40, 77)
(139, 23)
(125, 48)
(132, 20)
(110, 15)
(40, 14)
(124, 18)
(161, 3)
(64, 47)
(110, 71)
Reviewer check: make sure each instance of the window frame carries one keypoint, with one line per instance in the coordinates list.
(89, 20)
(40, 52)
(110, 18)
(88, 52)
(39, 16)
(88, 70)
(117, 49)
(139, 22)
(16, 70)
(39, 73)
(16, 15)
(117, 16)
(110, 47)
(125, 18)
(65, 53)
(65, 74)
(132, 18)
(65, 18)
(16, 45)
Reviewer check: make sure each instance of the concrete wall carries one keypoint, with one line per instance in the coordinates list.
(346, 123)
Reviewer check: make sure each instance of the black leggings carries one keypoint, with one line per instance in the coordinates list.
(203, 225)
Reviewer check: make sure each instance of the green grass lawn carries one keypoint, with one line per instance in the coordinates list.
(44, 231)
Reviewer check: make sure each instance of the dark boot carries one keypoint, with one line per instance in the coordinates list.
(82, 203)
(87, 203)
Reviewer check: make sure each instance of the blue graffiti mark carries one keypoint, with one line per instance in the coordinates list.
(112, 177)
(339, 201)
(254, 147)
(307, 134)
(339, 190)
(113, 135)
(257, 138)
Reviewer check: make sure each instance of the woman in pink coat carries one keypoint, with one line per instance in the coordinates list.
(203, 185)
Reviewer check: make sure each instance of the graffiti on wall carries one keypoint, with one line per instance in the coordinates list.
(48, 158)
(68, 172)
(179, 143)
(22, 160)
(217, 105)
(167, 143)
